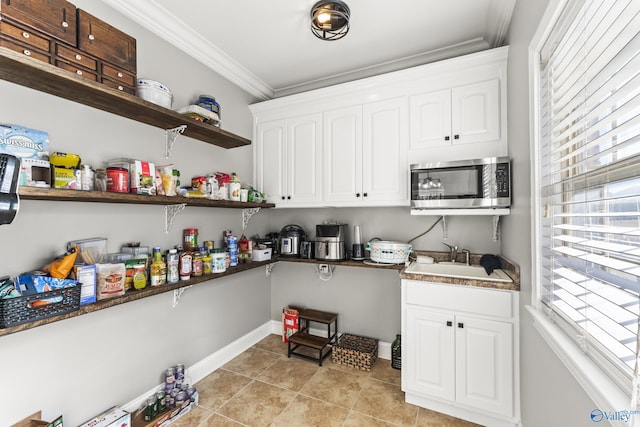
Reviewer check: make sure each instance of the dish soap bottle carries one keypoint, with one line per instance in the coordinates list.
(158, 269)
(396, 353)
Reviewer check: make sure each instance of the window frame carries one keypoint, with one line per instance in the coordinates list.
(595, 380)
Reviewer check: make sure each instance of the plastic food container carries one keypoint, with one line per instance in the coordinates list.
(90, 251)
(155, 92)
(388, 252)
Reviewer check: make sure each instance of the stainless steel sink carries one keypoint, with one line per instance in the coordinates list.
(458, 270)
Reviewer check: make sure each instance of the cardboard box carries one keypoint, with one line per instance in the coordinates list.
(35, 420)
(113, 417)
(31, 146)
(86, 275)
(142, 177)
(66, 178)
(166, 417)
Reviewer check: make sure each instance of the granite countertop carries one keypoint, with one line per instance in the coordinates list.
(509, 267)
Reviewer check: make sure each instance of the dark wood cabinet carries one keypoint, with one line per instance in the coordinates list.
(106, 42)
(57, 19)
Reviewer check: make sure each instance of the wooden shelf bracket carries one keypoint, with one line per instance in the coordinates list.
(170, 137)
(177, 294)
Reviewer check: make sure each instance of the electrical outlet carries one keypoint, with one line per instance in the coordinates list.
(323, 268)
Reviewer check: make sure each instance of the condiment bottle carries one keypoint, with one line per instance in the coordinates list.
(196, 262)
(158, 269)
(173, 262)
(185, 265)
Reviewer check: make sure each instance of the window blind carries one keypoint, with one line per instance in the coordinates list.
(589, 169)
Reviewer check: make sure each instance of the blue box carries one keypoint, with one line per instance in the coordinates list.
(31, 146)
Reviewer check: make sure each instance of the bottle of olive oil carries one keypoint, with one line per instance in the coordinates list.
(158, 269)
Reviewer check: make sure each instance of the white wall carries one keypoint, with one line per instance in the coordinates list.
(367, 300)
(550, 396)
(80, 366)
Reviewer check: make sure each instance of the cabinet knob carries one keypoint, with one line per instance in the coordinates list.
(65, 24)
(288, 197)
(460, 325)
(91, 37)
(120, 74)
(456, 136)
(282, 197)
(446, 138)
(120, 88)
(78, 57)
(27, 52)
(26, 35)
(449, 323)
(357, 194)
(364, 195)
(79, 72)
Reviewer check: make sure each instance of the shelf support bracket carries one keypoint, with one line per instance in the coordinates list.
(247, 214)
(170, 138)
(269, 267)
(170, 212)
(496, 223)
(177, 294)
(445, 233)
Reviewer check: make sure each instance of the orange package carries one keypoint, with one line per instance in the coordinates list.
(61, 266)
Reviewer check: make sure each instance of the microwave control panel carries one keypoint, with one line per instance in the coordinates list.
(503, 179)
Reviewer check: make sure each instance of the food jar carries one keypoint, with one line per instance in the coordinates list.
(117, 180)
(190, 239)
(218, 264)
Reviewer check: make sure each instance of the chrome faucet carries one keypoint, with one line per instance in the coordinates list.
(454, 251)
(467, 256)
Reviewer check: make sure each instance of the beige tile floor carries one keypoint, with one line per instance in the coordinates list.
(262, 387)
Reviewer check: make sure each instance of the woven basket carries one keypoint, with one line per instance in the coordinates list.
(355, 351)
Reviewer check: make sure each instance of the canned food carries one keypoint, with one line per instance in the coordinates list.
(180, 372)
(170, 376)
(117, 180)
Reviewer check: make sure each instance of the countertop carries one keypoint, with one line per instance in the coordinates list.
(509, 267)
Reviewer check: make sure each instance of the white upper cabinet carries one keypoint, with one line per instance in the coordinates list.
(352, 144)
(365, 154)
(288, 160)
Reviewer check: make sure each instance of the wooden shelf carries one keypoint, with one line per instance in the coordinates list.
(57, 194)
(20, 69)
(134, 296)
(346, 263)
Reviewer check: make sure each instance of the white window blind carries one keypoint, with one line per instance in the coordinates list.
(589, 170)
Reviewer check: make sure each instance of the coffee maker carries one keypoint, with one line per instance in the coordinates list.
(330, 242)
(9, 200)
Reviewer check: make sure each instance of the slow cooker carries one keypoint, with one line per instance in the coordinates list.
(289, 240)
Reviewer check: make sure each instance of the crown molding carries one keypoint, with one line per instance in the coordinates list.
(165, 25)
(498, 22)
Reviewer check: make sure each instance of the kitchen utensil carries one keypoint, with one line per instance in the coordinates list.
(307, 249)
(357, 252)
(289, 240)
(155, 92)
(389, 252)
(330, 242)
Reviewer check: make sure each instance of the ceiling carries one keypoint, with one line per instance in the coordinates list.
(267, 48)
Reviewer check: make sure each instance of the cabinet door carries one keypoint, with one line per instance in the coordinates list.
(57, 18)
(484, 364)
(384, 152)
(304, 160)
(430, 119)
(428, 359)
(269, 163)
(476, 112)
(342, 145)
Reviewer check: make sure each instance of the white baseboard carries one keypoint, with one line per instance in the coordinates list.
(204, 367)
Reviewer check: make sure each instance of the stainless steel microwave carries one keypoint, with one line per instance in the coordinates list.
(463, 184)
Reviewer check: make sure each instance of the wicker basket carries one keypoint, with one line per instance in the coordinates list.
(19, 310)
(355, 351)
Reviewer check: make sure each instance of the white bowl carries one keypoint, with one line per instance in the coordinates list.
(155, 92)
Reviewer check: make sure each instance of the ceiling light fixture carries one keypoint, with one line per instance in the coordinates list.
(330, 19)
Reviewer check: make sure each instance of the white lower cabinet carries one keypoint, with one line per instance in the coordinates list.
(459, 351)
